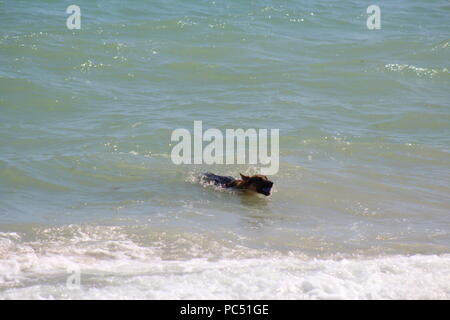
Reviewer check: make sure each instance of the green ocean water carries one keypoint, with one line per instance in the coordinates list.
(86, 178)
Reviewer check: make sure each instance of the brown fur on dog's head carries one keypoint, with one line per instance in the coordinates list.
(257, 183)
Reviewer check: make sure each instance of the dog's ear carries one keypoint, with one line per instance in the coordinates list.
(245, 178)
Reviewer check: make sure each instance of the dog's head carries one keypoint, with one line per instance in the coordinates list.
(258, 183)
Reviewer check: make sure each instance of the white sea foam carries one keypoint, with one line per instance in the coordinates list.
(421, 72)
(115, 267)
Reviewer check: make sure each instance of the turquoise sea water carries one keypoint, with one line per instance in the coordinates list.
(361, 202)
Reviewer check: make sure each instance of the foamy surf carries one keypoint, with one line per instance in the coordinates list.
(114, 266)
(360, 204)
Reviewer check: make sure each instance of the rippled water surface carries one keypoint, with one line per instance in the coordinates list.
(361, 202)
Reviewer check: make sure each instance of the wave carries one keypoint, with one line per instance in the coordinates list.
(418, 71)
(114, 265)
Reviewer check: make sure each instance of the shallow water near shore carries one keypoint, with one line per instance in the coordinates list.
(361, 203)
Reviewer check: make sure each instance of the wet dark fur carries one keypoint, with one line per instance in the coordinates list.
(257, 182)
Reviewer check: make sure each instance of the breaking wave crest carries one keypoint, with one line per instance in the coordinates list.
(159, 265)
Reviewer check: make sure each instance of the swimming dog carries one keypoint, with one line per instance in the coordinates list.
(257, 182)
